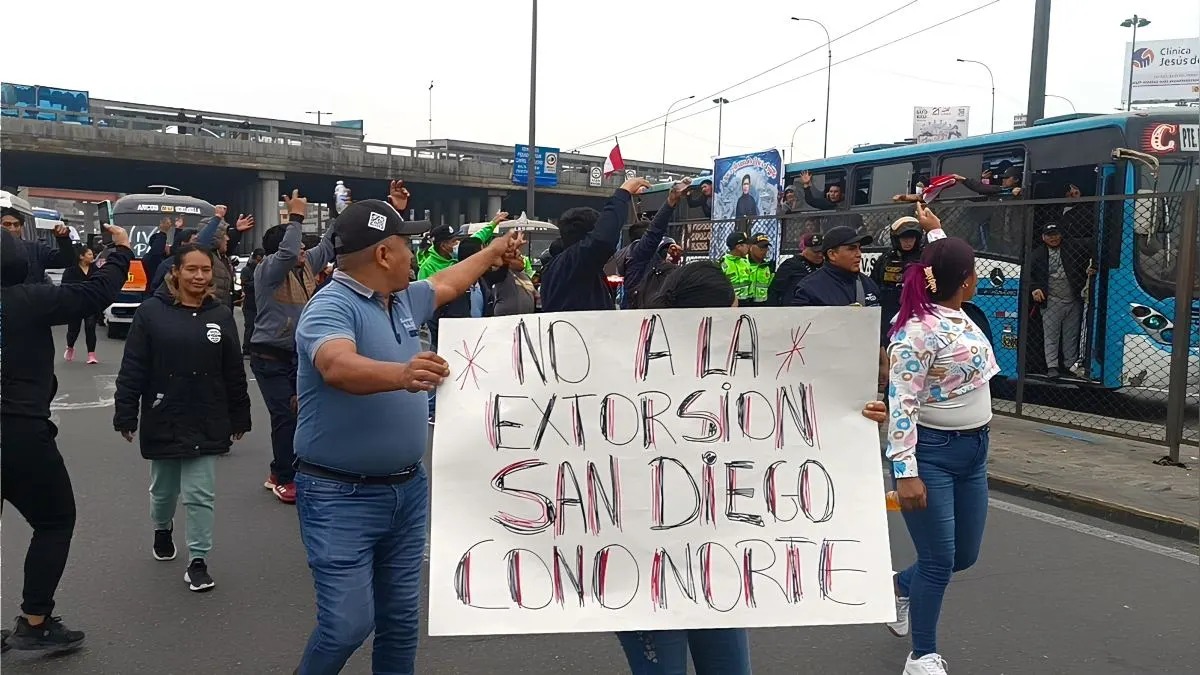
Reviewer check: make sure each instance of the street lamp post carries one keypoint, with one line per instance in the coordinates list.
(1064, 98)
(318, 113)
(720, 117)
(1135, 22)
(991, 79)
(828, 76)
(531, 158)
(792, 145)
(663, 168)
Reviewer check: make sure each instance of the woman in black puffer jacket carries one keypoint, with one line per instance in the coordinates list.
(182, 373)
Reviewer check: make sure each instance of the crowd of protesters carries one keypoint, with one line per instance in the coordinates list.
(333, 336)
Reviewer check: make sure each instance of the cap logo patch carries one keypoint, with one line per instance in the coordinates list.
(377, 221)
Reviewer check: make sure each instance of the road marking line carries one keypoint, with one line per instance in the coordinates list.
(1098, 532)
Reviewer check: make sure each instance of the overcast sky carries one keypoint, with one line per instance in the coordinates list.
(603, 66)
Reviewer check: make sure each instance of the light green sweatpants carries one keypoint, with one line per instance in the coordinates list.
(195, 479)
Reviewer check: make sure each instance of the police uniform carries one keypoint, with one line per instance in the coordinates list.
(834, 287)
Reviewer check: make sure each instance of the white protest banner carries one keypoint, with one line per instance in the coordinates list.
(639, 470)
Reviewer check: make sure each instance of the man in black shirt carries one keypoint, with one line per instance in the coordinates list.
(33, 474)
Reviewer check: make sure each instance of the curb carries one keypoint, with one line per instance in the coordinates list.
(1130, 516)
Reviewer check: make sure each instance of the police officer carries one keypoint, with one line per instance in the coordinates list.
(795, 269)
(888, 272)
(736, 266)
(840, 281)
(762, 270)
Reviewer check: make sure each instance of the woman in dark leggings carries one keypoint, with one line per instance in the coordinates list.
(76, 274)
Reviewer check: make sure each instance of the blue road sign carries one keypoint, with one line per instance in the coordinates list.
(545, 166)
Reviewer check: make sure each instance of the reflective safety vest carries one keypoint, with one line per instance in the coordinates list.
(761, 276)
(739, 272)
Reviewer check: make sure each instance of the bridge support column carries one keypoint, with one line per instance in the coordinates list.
(437, 215)
(266, 203)
(473, 206)
(456, 214)
(494, 202)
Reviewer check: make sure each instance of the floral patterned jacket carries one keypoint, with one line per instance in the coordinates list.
(935, 358)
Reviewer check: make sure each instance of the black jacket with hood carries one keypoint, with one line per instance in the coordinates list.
(183, 373)
(28, 310)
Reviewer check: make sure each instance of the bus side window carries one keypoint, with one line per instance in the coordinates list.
(964, 165)
(822, 181)
(888, 181)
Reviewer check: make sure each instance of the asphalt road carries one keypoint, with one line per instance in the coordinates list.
(1052, 593)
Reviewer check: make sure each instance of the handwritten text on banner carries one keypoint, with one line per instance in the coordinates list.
(602, 471)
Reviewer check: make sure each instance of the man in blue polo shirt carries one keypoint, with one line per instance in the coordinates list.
(362, 384)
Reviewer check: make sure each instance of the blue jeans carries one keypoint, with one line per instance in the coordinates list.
(277, 382)
(717, 651)
(365, 545)
(948, 532)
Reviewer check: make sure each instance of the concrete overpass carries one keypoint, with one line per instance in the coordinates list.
(250, 175)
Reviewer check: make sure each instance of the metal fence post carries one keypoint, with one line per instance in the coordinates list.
(1024, 307)
(1180, 340)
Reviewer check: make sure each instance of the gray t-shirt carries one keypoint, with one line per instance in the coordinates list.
(1060, 287)
(514, 295)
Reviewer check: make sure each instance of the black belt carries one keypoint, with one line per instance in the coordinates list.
(961, 432)
(403, 476)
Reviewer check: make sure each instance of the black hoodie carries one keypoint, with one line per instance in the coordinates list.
(183, 371)
(28, 310)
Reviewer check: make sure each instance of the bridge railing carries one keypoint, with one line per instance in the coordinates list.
(258, 131)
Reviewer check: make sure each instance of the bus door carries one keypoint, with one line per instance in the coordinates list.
(1109, 224)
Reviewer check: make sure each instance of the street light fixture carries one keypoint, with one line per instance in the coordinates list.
(319, 113)
(992, 79)
(663, 167)
(792, 145)
(828, 76)
(1135, 22)
(720, 117)
(1064, 98)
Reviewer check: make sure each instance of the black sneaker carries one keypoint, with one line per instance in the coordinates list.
(197, 577)
(50, 635)
(164, 545)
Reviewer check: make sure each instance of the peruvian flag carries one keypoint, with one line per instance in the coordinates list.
(614, 163)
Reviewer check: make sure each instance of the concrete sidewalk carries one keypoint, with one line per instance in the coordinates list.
(1112, 478)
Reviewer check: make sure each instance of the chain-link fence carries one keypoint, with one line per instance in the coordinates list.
(1081, 295)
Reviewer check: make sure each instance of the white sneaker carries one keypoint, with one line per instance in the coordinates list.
(900, 627)
(930, 664)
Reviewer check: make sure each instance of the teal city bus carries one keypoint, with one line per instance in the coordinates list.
(1136, 173)
(1117, 162)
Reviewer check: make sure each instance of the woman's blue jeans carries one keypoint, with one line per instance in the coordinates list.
(717, 651)
(948, 532)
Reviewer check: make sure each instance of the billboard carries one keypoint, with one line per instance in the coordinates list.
(745, 186)
(1164, 71)
(53, 104)
(545, 167)
(940, 123)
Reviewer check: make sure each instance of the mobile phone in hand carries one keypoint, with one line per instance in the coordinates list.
(104, 215)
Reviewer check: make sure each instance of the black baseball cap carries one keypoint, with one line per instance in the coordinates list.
(1051, 228)
(368, 222)
(843, 235)
(811, 240)
(444, 233)
(1012, 172)
(736, 239)
(760, 240)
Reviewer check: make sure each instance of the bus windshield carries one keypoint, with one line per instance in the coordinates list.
(1159, 228)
